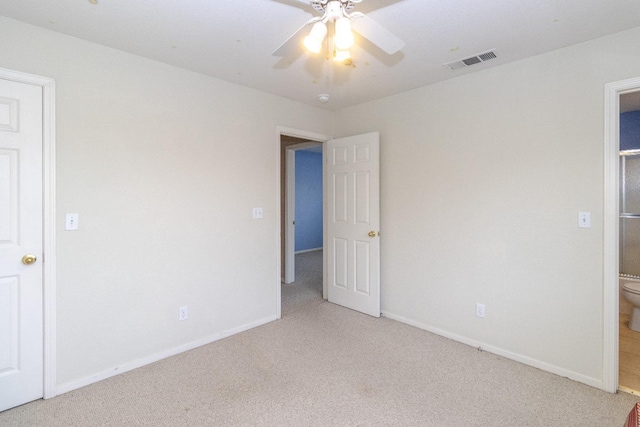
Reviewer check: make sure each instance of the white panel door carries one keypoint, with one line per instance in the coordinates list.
(21, 329)
(353, 223)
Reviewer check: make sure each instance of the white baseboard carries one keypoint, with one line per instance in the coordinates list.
(593, 382)
(308, 250)
(73, 385)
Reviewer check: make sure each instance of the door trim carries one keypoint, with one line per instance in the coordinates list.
(297, 133)
(290, 215)
(612, 92)
(48, 216)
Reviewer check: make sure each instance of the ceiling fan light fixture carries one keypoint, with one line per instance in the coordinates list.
(344, 36)
(340, 16)
(313, 42)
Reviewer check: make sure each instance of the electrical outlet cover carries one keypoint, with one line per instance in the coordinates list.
(480, 309)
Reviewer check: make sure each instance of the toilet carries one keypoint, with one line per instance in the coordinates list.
(631, 292)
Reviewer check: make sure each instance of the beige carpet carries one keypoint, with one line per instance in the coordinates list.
(323, 365)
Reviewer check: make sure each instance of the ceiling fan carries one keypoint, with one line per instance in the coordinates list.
(339, 14)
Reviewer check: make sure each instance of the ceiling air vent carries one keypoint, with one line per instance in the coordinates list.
(472, 60)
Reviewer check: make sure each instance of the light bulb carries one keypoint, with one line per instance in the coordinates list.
(344, 36)
(313, 42)
(341, 55)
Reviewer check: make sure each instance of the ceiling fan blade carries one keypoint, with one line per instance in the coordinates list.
(376, 33)
(293, 43)
(303, 4)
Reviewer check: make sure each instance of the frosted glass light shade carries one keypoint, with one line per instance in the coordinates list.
(341, 55)
(344, 36)
(313, 42)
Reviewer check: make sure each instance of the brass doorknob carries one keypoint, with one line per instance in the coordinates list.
(29, 259)
(372, 233)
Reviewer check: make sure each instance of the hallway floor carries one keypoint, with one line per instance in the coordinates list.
(308, 284)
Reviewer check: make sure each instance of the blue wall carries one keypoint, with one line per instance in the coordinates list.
(308, 200)
(630, 131)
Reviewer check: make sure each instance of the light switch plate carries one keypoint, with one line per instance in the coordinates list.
(257, 213)
(584, 219)
(71, 221)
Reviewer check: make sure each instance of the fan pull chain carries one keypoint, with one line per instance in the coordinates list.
(327, 40)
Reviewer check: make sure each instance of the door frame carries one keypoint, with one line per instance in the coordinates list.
(48, 217)
(611, 293)
(311, 136)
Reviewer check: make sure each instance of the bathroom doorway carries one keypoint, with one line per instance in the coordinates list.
(611, 232)
(629, 238)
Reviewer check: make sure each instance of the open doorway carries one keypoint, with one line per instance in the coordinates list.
(614, 93)
(629, 232)
(351, 262)
(309, 253)
(303, 203)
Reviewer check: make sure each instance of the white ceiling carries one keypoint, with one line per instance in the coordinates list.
(233, 39)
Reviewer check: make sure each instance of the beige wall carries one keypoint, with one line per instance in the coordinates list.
(482, 180)
(164, 167)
